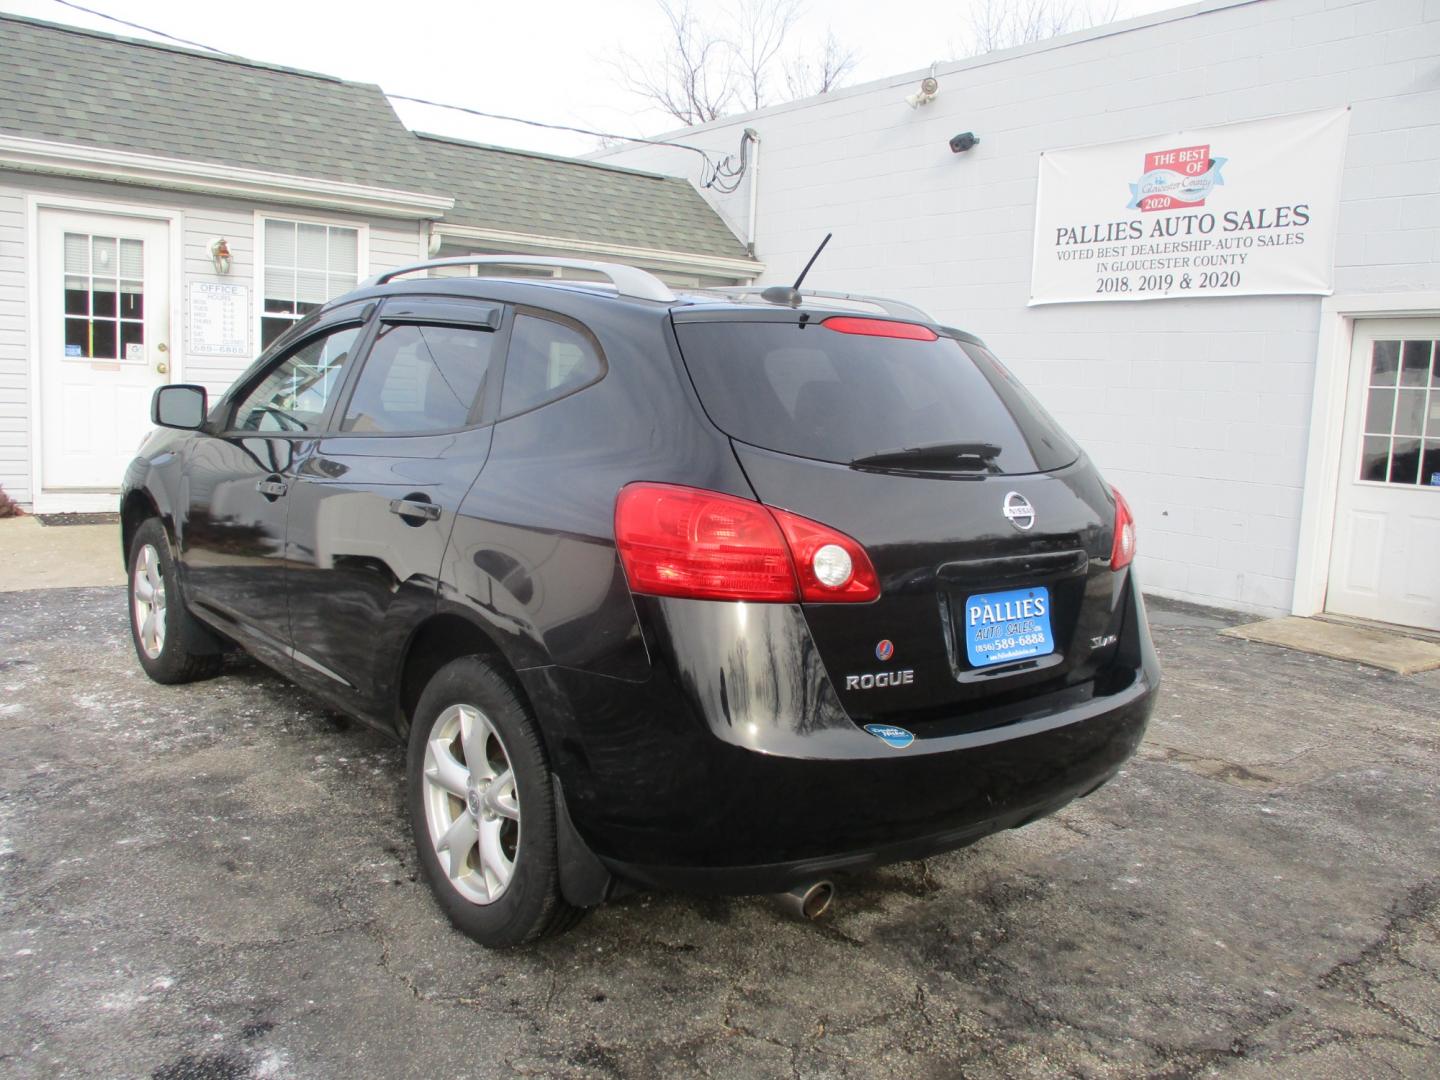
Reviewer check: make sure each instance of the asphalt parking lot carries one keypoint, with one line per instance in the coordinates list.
(214, 881)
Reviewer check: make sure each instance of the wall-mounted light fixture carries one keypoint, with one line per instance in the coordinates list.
(929, 87)
(962, 142)
(220, 255)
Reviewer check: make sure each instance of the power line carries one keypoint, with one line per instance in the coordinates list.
(137, 26)
(723, 168)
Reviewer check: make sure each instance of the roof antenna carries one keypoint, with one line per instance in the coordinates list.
(790, 294)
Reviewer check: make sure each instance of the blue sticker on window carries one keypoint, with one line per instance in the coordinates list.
(72, 350)
(1435, 479)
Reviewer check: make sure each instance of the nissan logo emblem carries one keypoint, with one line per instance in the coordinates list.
(1019, 510)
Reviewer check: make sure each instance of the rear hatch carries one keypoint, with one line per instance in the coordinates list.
(990, 533)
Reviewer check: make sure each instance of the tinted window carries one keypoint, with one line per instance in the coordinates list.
(419, 378)
(547, 360)
(293, 397)
(818, 393)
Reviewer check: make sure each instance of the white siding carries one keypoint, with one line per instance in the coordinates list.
(14, 364)
(1197, 409)
(391, 243)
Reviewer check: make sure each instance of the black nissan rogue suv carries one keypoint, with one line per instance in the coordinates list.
(706, 592)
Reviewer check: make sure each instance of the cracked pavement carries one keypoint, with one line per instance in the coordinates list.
(215, 882)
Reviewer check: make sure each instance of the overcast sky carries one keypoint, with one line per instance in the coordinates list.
(550, 60)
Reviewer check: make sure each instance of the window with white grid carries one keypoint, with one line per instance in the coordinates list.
(1402, 414)
(305, 265)
(104, 297)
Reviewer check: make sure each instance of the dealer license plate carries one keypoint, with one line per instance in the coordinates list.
(1005, 626)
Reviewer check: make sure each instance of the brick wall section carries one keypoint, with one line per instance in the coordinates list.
(1197, 409)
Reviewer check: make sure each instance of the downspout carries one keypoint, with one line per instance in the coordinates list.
(753, 137)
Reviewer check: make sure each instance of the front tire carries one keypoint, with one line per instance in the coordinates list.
(160, 627)
(481, 808)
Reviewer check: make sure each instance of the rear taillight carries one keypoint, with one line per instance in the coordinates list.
(831, 566)
(847, 324)
(1123, 548)
(683, 541)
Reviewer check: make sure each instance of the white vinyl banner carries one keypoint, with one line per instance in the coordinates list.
(1240, 210)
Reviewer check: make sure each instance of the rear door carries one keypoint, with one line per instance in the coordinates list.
(990, 534)
(373, 504)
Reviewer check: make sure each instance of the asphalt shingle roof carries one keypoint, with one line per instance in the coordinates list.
(523, 192)
(69, 85)
(78, 86)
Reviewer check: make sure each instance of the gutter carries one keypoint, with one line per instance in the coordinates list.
(149, 170)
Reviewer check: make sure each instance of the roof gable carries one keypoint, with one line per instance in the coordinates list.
(78, 86)
(522, 192)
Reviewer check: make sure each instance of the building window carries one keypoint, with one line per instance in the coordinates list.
(104, 297)
(305, 265)
(1402, 414)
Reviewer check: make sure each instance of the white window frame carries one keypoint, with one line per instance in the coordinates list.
(362, 256)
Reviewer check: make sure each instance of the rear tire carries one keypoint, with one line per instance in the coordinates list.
(162, 630)
(481, 807)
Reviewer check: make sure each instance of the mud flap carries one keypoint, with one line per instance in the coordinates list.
(584, 882)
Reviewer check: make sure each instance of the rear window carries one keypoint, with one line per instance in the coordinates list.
(817, 393)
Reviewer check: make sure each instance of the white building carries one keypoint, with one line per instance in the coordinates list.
(1229, 422)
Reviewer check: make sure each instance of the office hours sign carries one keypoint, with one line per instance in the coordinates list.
(1241, 210)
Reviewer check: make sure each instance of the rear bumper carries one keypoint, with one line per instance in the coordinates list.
(744, 777)
(835, 823)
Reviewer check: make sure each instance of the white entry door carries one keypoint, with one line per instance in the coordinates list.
(1385, 561)
(104, 323)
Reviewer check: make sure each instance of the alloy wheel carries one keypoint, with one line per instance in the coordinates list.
(147, 601)
(472, 806)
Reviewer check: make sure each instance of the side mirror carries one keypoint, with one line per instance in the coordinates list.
(179, 406)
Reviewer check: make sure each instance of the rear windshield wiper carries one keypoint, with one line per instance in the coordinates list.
(935, 457)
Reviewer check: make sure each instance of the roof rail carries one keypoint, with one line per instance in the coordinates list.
(628, 280)
(898, 308)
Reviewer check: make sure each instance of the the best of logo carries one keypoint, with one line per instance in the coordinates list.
(1176, 179)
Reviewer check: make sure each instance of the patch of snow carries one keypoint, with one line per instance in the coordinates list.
(273, 1064)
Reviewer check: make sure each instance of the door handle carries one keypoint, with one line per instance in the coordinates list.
(272, 488)
(411, 509)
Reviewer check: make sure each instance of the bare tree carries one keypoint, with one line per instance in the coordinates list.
(759, 28)
(705, 69)
(694, 79)
(821, 73)
(1003, 24)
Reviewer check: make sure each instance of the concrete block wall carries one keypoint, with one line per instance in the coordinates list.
(1198, 410)
(391, 243)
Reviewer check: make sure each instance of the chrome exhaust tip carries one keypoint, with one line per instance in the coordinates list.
(809, 901)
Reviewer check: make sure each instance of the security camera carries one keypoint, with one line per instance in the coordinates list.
(962, 142)
(929, 87)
